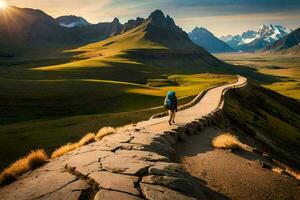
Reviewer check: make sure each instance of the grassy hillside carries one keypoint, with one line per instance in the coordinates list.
(275, 119)
(285, 67)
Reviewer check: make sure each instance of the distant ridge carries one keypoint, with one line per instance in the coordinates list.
(71, 21)
(207, 40)
(251, 40)
(31, 28)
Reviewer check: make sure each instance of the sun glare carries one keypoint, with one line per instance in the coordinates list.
(3, 4)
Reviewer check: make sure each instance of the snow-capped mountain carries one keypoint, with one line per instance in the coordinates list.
(289, 44)
(255, 40)
(272, 33)
(71, 21)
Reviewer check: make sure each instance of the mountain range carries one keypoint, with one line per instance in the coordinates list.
(288, 44)
(155, 41)
(31, 28)
(207, 40)
(251, 40)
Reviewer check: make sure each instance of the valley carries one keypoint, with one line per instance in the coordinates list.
(285, 67)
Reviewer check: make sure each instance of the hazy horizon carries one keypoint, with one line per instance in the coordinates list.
(221, 17)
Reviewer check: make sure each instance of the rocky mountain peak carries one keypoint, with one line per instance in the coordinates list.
(157, 15)
(116, 21)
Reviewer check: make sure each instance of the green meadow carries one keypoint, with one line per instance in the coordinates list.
(285, 67)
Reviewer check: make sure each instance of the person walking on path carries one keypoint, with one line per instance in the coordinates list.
(171, 105)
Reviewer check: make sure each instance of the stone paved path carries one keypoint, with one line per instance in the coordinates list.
(135, 163)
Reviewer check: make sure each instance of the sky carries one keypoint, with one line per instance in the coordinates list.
(222, 17)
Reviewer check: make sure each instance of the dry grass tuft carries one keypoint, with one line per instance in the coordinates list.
(227, 141)
(277, 170)
(64, 149)
(287, 170)
(87, 139)
(33, 160)
(104, 132)
(294, 173)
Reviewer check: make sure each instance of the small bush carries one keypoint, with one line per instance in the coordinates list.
(87, 139)
(64, 149)
(104, 132)
(33, 160)
(227, 141)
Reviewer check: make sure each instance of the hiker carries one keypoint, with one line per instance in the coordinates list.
(171, 105)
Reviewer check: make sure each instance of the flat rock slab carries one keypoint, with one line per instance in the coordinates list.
(125, 165)
(167, 169)
(44, 185)
(113, 195)
(117, 182)
(143, 155)
(185, 186)
(88, 169)
(111, 145)
(156, 192)
(118, 138)
(85, 159)
(74, 191)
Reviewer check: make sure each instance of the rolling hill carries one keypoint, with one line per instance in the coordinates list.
(207, 40)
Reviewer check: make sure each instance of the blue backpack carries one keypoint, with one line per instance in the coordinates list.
(169, 101)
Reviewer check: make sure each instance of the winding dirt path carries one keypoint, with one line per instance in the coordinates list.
(208, 104)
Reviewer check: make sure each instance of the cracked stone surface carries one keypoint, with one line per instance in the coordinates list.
(125, 165)
(135, 163)
(117, 182)
(157, 192)
(114, 195)
(45, 185)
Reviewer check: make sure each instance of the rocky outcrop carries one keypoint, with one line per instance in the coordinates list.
(135, 163)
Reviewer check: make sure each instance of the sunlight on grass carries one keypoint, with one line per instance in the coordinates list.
(111, 50)
(183, 85)
(64, 149)
(33, 160)
(87, 139)
(227, 141)
(104, 132)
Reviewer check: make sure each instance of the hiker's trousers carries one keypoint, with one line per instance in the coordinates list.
(172, 115)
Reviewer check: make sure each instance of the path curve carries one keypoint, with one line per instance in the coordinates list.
(137, 162)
